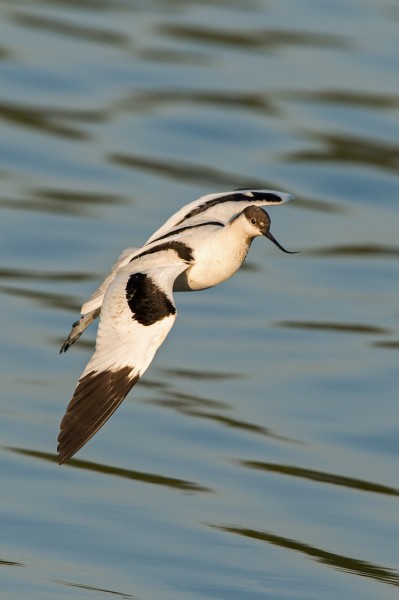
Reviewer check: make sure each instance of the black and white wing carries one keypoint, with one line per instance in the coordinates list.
(219, 207)
(136, 316)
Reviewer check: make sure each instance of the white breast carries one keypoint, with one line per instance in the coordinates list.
(217, 257)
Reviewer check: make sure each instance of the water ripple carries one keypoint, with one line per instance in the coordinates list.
(337, 561)
(50, 299)
(197, 407)
(321, 477)
(25, 274)
(337, 327)
(344, 97)
(192, 173)
(47, 119)
(336, 147)
(388, 344)
(153, 478)
(269, 39)
(63, 202)
(9, 563)
(64, 27)
(198, 375)
(250, 101)
(91, 588)
(358, 250)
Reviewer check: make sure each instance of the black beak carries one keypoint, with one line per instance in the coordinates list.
(273, 239)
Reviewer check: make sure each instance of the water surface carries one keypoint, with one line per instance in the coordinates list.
(258, 456)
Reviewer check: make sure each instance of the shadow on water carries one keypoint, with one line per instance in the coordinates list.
(5, 53)
(388, 345)
(47, 299)
(242, 425)
(321, 477)
(94, 5)
(351, 149)
(337, 327)
(210, 410)
(153, 478)
(266, 39)
(320, 206)
(63, 202)
(55, 276)
(47, 120)
(155, 99)
(227, 421)
(191, 173)
(87, 34)
(337, 561)
(342, 97)
(347, 148)
(358, 251)
(8, 563)
(91, 588)
(198, 375)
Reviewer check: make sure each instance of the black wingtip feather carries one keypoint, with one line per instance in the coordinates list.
(97, 396)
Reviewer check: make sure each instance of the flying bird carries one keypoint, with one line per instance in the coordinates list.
(198, 247)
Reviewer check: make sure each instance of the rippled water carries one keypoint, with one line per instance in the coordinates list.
(258, 457)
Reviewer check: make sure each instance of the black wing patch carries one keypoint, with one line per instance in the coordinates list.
(96, 398)
(175, 231)
(235, 197)
(182, 250)
(147, 301)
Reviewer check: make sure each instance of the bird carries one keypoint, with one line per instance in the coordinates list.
(200, 246)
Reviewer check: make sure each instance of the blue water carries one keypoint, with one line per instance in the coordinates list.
(257, 458)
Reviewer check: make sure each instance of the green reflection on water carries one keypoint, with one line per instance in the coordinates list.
(322, 477)
(358, 250)
(337, 561)
(93, 588)
(337, 327)
(153, 478)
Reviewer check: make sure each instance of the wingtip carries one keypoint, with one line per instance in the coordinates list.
(63, 459)
(279, 196)
(285, 196)
(62, 456)
(97, 396)
(65, 452)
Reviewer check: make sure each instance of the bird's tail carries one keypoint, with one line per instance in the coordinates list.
(78, 328)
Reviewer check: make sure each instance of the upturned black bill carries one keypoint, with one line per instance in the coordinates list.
(273, 239)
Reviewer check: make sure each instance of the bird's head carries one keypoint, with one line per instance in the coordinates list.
(256, 222)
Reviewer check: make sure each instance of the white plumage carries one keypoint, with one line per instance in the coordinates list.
(201, 245)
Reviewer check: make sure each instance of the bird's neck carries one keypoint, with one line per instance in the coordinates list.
(234, 233)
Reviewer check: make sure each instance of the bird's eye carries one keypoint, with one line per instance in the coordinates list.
(253, 221)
